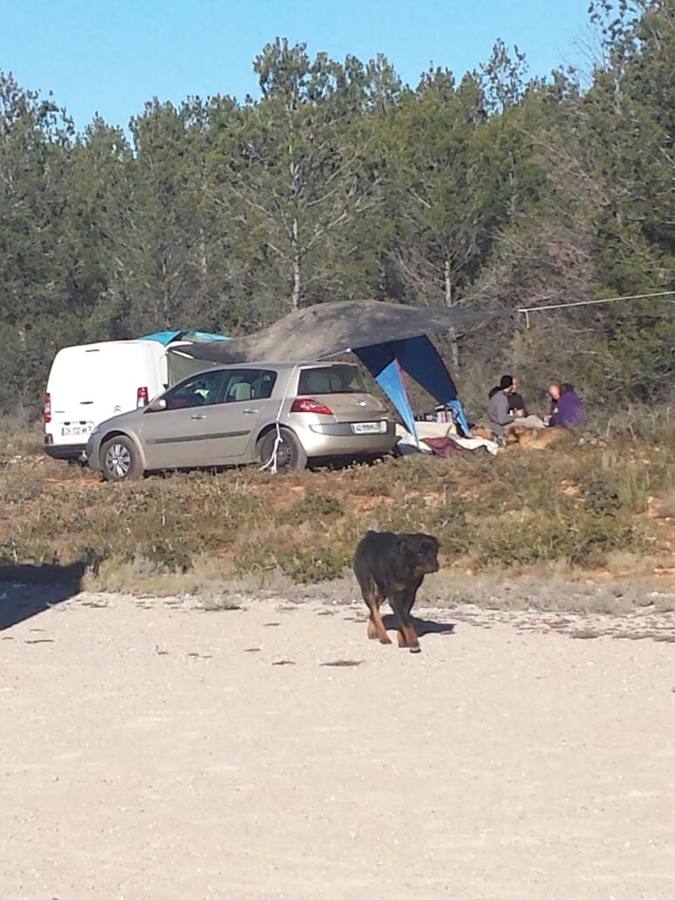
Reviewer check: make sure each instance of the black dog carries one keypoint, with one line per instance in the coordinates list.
(392, 567)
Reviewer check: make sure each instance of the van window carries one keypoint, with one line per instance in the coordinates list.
(202, 390)
(337, 379)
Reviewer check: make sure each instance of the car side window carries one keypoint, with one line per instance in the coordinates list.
(201, 390)
(248, 384)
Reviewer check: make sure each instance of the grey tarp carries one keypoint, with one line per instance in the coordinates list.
(329, 329)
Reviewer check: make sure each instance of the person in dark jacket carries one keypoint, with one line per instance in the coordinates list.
(567, 410)
(516, 402)
(499, 414)
(554, 390)
(502, 416)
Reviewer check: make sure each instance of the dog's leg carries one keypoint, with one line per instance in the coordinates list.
(378, 626)
(402, 603)
(410, 602)
(376, 629)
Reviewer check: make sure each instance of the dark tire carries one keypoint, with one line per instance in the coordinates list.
(290, 454)
(120, 459)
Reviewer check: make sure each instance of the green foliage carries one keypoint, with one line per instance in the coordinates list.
(302, 566)
(601, 493)
(313, 508)
(491, 190)
(539, 538)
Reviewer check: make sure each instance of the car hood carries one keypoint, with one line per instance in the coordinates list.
(130, 419)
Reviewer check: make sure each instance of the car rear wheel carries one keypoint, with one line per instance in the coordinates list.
(290, 453)
(120, 460)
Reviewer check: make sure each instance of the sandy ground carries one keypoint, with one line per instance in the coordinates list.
(149, 749)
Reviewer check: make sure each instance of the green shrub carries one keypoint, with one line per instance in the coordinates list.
(582, 540)
(302, 566)
(601, 493)
(315, 506)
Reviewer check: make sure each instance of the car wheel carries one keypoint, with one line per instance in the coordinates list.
(290, 453)
(120, 460)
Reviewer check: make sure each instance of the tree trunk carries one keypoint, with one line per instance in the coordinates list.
(449, 302)
(203, 261)
(513, 203)
(297, 282)
(165, 304)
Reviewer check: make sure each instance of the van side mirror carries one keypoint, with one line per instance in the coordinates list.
(156, 405)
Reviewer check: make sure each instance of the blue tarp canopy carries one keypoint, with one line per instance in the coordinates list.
(169, 337)
(388, 338)
(419, 358)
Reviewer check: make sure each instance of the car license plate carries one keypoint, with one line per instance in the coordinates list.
(367, 427)
(76, 430)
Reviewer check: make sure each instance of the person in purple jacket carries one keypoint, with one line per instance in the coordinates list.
(567, 410)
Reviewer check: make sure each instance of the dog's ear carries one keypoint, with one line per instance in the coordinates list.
(407, 551)
(430, 544)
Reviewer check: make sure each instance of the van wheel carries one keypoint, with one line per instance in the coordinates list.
(120, 460)
(290, 453)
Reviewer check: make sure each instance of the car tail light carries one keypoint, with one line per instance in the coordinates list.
(47, 408)
(141, 397)
(307, 404)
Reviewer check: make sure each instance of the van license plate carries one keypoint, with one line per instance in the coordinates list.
(367, 427)
(76, 430)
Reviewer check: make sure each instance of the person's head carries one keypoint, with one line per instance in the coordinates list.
(566, 387)
(506, 384)
(555, 390)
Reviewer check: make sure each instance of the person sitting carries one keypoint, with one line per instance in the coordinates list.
(554, 390)
(516, 402)
(501, 419)
(567, 410)
(499, 414)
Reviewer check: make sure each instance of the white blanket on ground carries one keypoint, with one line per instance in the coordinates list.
(442, 429)
(475, 443)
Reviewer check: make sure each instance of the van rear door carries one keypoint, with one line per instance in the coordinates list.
(94, 382)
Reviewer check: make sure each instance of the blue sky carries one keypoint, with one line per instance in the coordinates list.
(110, 57)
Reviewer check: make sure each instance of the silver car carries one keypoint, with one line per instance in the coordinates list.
(231, 415)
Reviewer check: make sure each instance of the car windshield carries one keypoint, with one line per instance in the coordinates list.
(337, 379)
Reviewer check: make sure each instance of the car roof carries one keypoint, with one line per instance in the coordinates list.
(266, 364)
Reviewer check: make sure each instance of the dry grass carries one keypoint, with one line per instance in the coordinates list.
(666, 506)
(561, 513)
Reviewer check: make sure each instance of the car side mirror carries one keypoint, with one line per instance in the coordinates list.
(157, 405)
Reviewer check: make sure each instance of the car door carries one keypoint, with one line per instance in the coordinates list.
(247, 404)
(183, 434)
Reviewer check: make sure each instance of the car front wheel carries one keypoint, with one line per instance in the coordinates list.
(290, 453)
(120, 460)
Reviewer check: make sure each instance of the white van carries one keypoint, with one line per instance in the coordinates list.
(92, 382)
